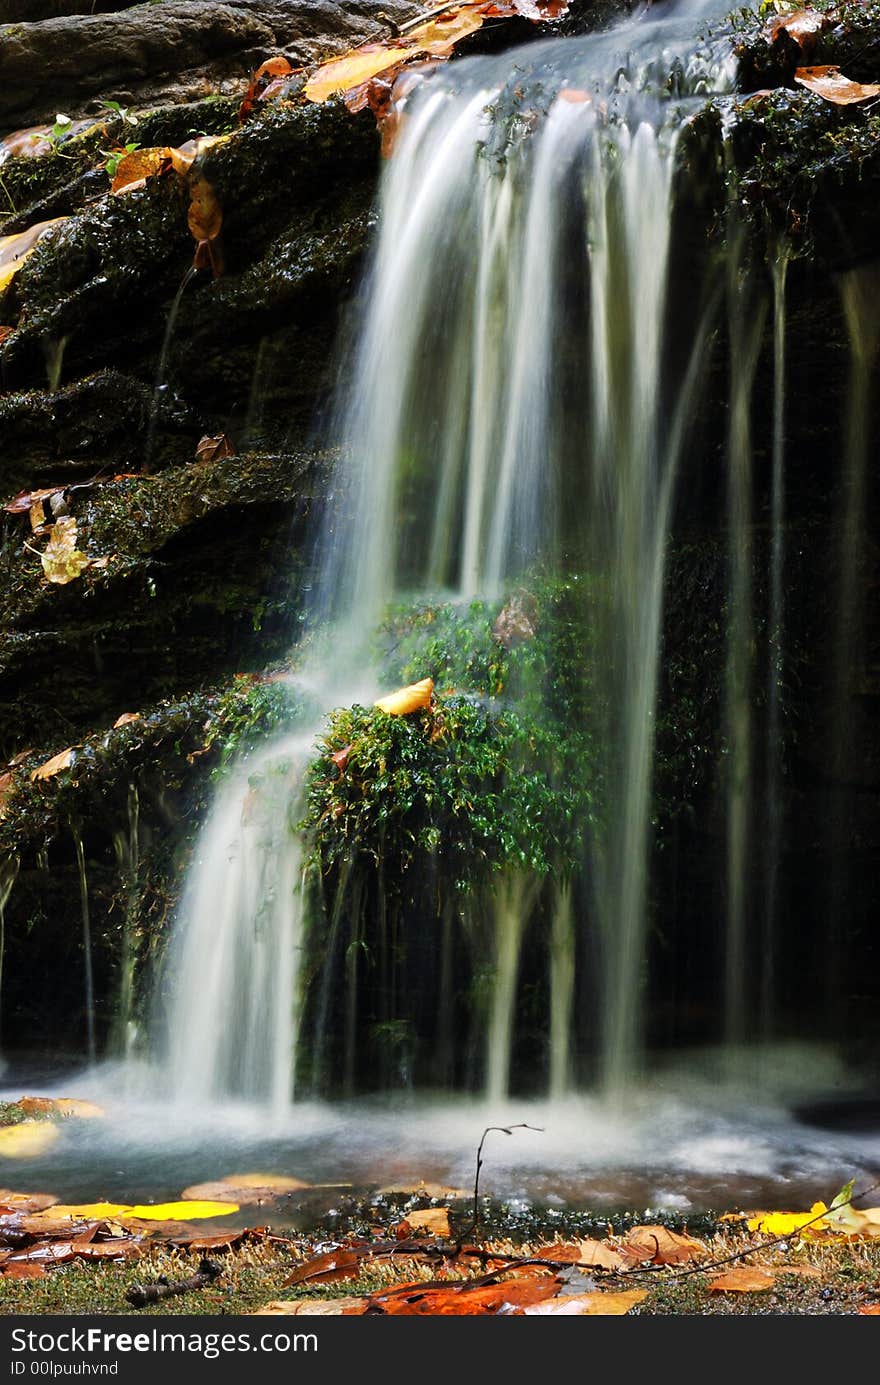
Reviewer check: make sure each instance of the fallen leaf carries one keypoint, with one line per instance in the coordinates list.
(435, 1190)
(62, 1214)
(6, 332)
(316, 1307)
(517, 622)
(114, 1248)
(326, 1269)
(14, 250)
(135, 168)
(62, 561)
(126, 719)
(214, 449)
(588, 1305)
(787, 1223)
(870, 1310)
(600, 1255)
(222, 1241)
(804, 26)
(16, 1269)
(831, 85)
(742, 1279)
(7, 788)
(657, 1246)
(195, 1210)
(265, 78)
(410, 699)
(25, 501)
(419, 1300)
(50, 768)
(27, 1140)
(342, 74)
(245, 1188)
(36, 142)
(26, 1202)
(434, 1220)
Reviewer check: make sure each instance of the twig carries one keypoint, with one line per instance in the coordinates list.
(144, 1294)
(501, 1130)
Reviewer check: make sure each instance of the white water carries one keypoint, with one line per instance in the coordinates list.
(465, 458)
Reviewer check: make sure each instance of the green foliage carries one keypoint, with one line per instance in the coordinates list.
(249, 709)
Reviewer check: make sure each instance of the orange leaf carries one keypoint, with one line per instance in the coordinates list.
(5, 333)
(870, 1310)
(418, 1300)
(743, 1279)
(410, 699)
(14, 250)
(17, 1269)
(588, 1305)
(831, 85)
(204, 218)
(265, 77)
(135, 168)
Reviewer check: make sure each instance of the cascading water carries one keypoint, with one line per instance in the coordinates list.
(512, 400)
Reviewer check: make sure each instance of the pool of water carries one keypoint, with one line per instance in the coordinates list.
(698, 1136)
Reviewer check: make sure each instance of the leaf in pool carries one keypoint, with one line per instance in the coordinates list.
(14, 250)
(656, 1246)
(245, 1188)
(831, 85)
(28, 1140)
(414, 698)
(65, 1107)
(63, 1213)
(743, 1279)
(600, 1304)
(50, 768)
(179, 1211)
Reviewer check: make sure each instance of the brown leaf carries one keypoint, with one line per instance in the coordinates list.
(114, 1248)
(870, 1310)
(657, 1246)
(26, 1202)
(23, 503)
(6, 332)
(517, 622)
(214, 449)
(222, 1241)
(7, 788)
(50, 768)
(340, 759)
(205, 217)
(17, 1269)
(743, 1279)
(35, 142)
(831, 85)
(434, 1220)
(326, 1269)
(126, 719)
(589, 1305)
(245, 1188)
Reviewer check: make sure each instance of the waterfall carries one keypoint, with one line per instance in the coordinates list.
(89, 976)
(506, 401)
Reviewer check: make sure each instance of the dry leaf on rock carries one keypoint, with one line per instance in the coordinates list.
(214, 449)
(743, 1279)
(14, 250)
(25, 1202)
(50, 768)
(419, 1300)
(135, 168)
(62, 561)
(657, 1246)
(265, 83)
(588, 1305)
(831, 85)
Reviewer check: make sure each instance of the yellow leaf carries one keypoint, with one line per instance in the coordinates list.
(180, 1211)
(54, 766)
(77, 1108)
(411, 699)
(28, 1140)
(14, 250)
(75, 1212)
(786, 1223)
(587, 1305)
(61, 559)
(341, 74)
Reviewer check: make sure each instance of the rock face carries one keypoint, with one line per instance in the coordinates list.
(179, 50)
